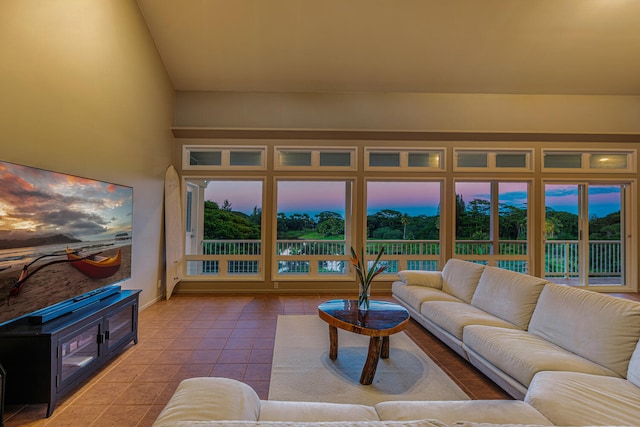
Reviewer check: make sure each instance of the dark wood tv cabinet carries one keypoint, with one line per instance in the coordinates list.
(43, 362)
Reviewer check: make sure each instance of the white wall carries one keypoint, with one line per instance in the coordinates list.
(410, 112)
(83, 91)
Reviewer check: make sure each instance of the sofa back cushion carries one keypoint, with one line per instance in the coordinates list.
(236, 423)
(598, 327)
(633, 374)
(460, 278)
(508, 295)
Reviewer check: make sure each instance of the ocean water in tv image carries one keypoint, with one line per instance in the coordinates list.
(61, 236)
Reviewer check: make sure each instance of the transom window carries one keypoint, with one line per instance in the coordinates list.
(503, 160)
(221, 157)
(589, 161)
(414, 159)
(301, 158)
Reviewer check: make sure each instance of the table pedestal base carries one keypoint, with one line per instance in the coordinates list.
(378, 348)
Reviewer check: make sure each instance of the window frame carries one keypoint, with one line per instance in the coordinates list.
(629, 224)
(313, 273)
(360, 171)
(198, 219)
(315, 157)
(402, 259)
(586, 161)
(492, 154)
(495, 257)
(225, 157)
(404, 153)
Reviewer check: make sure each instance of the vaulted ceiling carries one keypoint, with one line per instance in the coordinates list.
(587, 47)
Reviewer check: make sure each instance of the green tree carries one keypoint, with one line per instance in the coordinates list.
(472, 220)
(222, 224)
(552, 226)
(256, 216)
(405, 220)
(425, 227)
(461, 217)
(387, 222)
(513, 222)
(330, 224)
(226, 206)
(386, 233)
(605, 228)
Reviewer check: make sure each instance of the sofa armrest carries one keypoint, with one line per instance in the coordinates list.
(207, 399)
(579, 399)
(430, 279)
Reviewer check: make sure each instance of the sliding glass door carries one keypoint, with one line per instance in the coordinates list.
(585, 239)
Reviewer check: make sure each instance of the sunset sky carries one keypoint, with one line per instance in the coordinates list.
(413, 198)
(39, 202)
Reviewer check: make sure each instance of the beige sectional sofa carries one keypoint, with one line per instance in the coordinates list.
(572, 354)
(512, 326)
(571, 357)
(227, 402)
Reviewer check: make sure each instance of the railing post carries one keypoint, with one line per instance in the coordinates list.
(566, 260)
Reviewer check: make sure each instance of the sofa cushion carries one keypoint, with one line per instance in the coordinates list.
(414, 296)
(508, 295)
(472, 424)
(275, 410)
(487, 411)
(232, 423)
(521, 355)
(601, 328)
(454, 316)
(573, 398)
(432, 279)
(633, 374)
(460, 278)
(205, 399)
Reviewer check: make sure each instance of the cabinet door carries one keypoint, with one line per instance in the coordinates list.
(78, 350)
(120, 327)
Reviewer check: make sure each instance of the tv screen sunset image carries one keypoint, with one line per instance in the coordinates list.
(60, 236)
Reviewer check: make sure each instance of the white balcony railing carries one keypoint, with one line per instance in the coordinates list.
(562, 258)
(321, 258)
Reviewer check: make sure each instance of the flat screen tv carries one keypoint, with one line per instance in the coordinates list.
(65, 241)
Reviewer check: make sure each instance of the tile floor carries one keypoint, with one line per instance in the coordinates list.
(205, 335)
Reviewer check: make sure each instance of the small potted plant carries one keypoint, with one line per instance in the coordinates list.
(366, 275)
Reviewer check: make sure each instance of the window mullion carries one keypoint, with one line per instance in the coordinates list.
(494, 228)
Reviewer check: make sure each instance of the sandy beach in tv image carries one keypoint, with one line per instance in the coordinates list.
(60, 236)
(55, 282)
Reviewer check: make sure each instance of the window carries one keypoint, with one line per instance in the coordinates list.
(483, 160)
(313, 219)
(223, 157)
(404, 218)
(302, 158)
(285, 214)
(224, 228)
(411, 159)
(492, 223)
(589, 161)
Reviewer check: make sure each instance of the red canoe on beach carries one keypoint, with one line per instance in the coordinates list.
(94, 266)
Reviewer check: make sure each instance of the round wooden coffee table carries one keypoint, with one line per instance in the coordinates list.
(381, 320)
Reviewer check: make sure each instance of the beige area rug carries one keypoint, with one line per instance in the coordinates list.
(302, 370)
